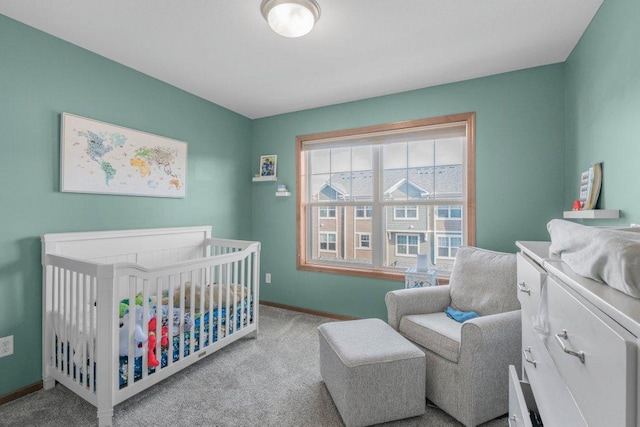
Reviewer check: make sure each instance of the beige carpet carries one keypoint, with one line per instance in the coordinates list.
(270, 381)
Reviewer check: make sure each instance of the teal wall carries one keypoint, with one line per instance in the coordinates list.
(526, 122)
(519, 179)
(41, 77)
(603, 108)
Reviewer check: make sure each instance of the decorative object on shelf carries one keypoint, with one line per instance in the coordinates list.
(268, 165)
(102, 158)
(590, 183)
(577, 205)
(290, 18)
(282, 191)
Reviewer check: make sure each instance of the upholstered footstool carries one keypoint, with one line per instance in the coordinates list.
(372, 372)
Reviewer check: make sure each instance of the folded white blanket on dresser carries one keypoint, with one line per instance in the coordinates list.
(607, 255)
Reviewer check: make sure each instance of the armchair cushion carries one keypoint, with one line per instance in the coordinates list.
(484, 281)
(435, 332)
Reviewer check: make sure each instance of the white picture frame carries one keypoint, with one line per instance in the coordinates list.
(268, 166)
(101, 158)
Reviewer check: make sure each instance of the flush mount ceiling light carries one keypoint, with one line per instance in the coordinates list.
(290, 18)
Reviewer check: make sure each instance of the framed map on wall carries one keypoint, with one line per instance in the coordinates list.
(98, 157)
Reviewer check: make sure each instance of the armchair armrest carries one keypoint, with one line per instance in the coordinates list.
(492, 339)
(402, 302)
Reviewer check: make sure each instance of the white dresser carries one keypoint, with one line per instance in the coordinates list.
(583, 369)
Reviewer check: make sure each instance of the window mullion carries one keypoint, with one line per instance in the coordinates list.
(377, 223)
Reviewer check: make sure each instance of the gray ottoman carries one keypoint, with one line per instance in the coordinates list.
(372, 372)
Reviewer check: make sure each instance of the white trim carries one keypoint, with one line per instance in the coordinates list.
(406, 218)
(359, 218)
(327, 209)
(417, 245)
(359, 240)
(448, 236)
(335, 242)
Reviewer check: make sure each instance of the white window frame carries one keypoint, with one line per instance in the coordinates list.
(379, 267)
(449, 247)
(359, 240)
(408, 245)
(449, 209)
(327, 241)
(326, 210)
(406, 209)
(366, 209)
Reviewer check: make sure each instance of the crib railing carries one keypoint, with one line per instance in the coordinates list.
(82, 324)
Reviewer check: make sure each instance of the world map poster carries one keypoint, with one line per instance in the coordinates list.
(98, 157)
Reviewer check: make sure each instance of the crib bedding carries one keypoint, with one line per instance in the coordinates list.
(236, 322)
(240, 318)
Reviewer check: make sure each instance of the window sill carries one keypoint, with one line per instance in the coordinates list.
(396, 276)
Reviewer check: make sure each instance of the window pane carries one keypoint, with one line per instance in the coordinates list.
(448, 174)
(321, 188)
(319, 163)
(421, 154)
(362, 158)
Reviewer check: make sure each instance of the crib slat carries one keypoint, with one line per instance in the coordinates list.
(227, 302)
(131, 342)
(145, 326)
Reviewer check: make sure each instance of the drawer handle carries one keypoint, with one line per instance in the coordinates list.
(523, 288)
(524, 353)
(514, 419)
(565, 336)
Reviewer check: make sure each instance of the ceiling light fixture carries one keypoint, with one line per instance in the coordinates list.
(291, 18)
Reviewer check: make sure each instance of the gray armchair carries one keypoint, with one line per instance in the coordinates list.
(467, 363)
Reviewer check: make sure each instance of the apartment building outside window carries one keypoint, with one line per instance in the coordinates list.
(371, 199)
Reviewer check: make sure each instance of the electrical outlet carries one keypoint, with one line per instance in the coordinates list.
(634, 225)
(6, 346)
(267, 278)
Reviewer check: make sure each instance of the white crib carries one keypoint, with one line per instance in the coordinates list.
(204, 291)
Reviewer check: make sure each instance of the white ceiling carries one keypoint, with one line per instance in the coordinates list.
(224, 51)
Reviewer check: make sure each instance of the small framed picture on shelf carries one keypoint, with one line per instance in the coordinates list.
(268, 165)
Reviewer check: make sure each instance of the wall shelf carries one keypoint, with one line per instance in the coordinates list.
(264, 178)
(593, 214)
(283, 193)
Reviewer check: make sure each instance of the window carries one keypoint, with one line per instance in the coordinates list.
(405, 212)
(364, 240)
(327, 211)
(328, 242)
(393, 189)
(363, 212)
(407, 244)
(448, 246)
(449, 211)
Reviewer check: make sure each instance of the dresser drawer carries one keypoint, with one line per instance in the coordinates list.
(550, 390)
(520, 400)
(595, 356)
(530, 280)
